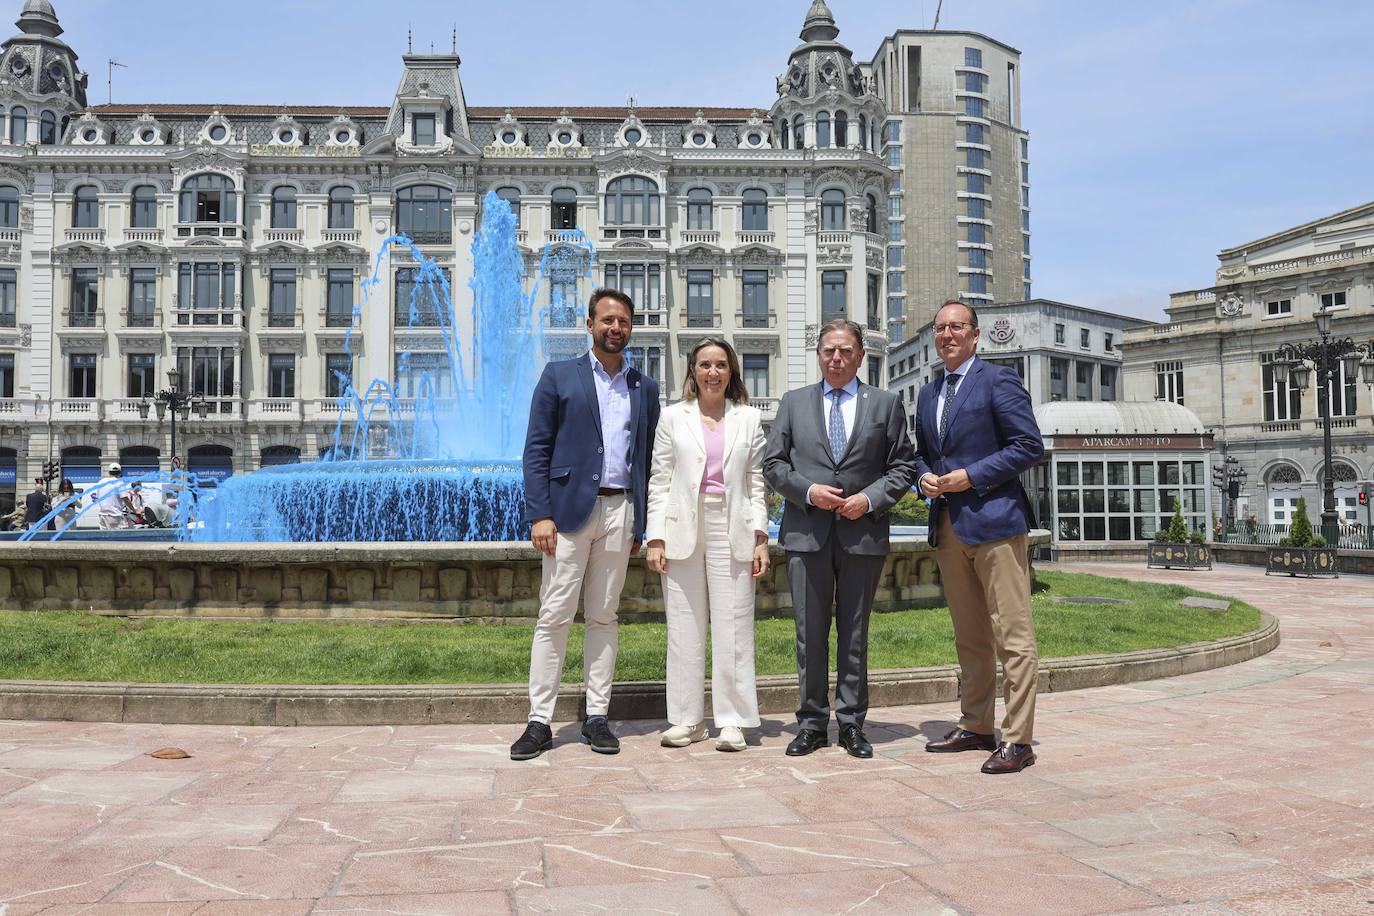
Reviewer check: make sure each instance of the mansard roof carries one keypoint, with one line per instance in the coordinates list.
(617, 113)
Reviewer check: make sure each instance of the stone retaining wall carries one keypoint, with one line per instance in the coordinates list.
(488, 582)
(1347, 561)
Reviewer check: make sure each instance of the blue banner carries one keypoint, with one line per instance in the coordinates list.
(214, 472)
(81, 473)
(9, 475)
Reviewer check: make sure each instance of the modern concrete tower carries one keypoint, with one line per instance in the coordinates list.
(959, 211)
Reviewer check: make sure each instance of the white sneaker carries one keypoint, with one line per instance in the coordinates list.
(683, 735)
(731, 739)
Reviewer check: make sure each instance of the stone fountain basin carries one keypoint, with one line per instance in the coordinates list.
(477, 581)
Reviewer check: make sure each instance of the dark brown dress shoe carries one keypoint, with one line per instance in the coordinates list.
(853, 740)
(807, 740)
(1009, 758)
(960, 740)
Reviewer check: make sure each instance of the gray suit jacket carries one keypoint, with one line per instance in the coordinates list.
(878, 462)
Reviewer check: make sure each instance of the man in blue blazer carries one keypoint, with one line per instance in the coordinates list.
(586, 464)
(975, 435)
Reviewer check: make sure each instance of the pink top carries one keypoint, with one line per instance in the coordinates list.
(713, 478)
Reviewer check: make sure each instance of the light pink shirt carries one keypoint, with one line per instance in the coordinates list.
(713, 478)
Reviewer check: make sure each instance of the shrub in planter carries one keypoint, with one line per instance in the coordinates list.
(1301, 552)
(1174, 546)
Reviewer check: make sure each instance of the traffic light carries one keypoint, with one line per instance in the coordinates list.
(51, 471)
(1364, 497)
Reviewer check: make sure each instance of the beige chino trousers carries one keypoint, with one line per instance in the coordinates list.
(711, 585)
(592, 561)
(988, 590)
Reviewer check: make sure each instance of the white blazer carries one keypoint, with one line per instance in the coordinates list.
(675, 479)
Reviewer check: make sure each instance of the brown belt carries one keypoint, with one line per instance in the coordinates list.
(611, 491)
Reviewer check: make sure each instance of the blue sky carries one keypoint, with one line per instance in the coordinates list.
(1161, 131)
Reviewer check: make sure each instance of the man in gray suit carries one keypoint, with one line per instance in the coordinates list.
(840, 454)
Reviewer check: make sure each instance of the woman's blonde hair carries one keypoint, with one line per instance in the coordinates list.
(735, 392)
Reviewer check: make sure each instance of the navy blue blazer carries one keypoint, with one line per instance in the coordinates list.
(993, 435)
(563, 447)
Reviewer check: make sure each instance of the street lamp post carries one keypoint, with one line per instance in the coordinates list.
(1229, 477)
(1326, 355)
(172, 399)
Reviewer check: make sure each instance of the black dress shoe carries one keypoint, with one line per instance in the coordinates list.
(1009, 758)
(537, 739)
(852, 739)
(962, 740)
(807, 740)
(596, 731)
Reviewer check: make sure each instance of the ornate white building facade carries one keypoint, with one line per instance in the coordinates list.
(231, 243)
(1215, 355)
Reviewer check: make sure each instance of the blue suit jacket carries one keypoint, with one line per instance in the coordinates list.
(993, 435)
(563, 447)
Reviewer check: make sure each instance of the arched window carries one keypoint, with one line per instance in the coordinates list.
(822, 129)
(799, 132)
(9, 207)
(85, 207)
(425, 213)
(842, 129)
(280, 454)
(208, 198)
(137, 460)
(1284, 474)
(632, 200)
(863, 132)
(284, 207)
(19, 124)
(211, 463)
(564, 208)
(341, 207)
(785, 134)
(755, 202)
(871, 215)
(81, 464)
(143, 207)
(832, 210)
(699, 209)
(47, 128)
(512, 197)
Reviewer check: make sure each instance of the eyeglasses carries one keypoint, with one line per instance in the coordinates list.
(954, 327)
(829, 352)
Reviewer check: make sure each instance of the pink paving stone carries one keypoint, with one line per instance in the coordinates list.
(972, 790)
(515, 817)
(465, 756)
(1122, 819)
(337, 758)
(636, 858)
(443, 868)
(169, 825)
(981, 834)
(841, 801)
(68, 875)
(747, 771)
(821, 847)
(490, 902)
(1046, 885)
(125, 909)
(219, 758)
(1178, 859)
(869, 891)
(105, 787)
(563, 780)
(35, 823)
(237, 873)
(328, 736)
(1337, 898)
(685, 898)
(412, 785)
(256, 908)
(85, 756)
(703, 808)
(262, 787)
(384, 825)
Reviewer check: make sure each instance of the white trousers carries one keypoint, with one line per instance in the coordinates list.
(590, 560)
(711, 584)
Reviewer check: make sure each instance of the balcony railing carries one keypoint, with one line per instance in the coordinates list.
(767, 406)
(756, 320)
(430, 236)
(831, 237)
(349, 236)
(284, 319)
(81, 318)
(77, 408)
(153, 235)
(274, 409)
(208, 230)
(17, 409)
(142, 319)
(128, 409)
(10, 235)
(699, 319)
(755, 237)
(700, 236)
(209, 317)
(283, 235)
(337, 318)
(632, 232)
(7, 319)
(561, 235)
(86, 234)
(650, 318)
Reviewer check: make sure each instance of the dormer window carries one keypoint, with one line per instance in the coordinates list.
(422, 130)
(633, 136)
(565, 138)
(218, 133)
(147, 135)
(509, 137)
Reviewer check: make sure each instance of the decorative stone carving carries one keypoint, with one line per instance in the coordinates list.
(286, 132)
(26, 335)
(832, 255)
(699, 134)
(1231, 306)
(216, 131)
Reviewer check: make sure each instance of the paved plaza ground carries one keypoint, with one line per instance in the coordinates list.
(1247, 789)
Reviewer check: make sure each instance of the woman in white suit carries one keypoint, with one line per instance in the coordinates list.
(707, 535)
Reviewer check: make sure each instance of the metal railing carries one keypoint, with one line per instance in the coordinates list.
(1349, 536)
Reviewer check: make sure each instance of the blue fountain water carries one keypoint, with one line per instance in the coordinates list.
(445, 464)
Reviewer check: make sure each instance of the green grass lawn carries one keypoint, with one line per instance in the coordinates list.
(86, 647)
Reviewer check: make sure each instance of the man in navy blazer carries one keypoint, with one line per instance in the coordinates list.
(975, 435)
(586, 465)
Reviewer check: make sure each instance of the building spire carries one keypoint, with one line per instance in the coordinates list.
(39, 18)
(819, 24)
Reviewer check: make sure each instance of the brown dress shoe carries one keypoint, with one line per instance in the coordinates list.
(1009, 758)
(961, 740)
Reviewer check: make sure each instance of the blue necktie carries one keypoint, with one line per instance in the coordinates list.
(951, 383)
(838, 439)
